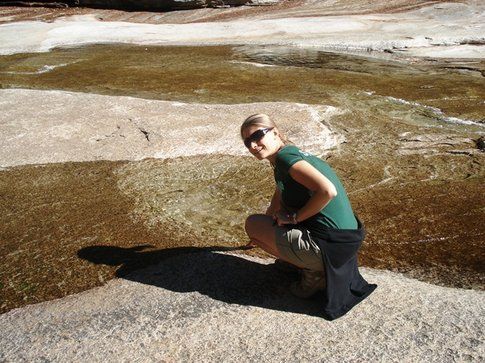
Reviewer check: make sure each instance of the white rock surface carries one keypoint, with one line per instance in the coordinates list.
(216, 307)
(39, 127)
(439, 30)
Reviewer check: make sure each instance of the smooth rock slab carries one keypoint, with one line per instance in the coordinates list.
(440, 30)
(56, 126)
(210, 306)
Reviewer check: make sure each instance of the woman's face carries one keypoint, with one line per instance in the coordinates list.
(262, 142)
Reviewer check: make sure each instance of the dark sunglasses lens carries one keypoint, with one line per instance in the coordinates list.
(255, 136)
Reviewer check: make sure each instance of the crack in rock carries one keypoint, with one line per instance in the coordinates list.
(114, 133)
(146, 133)
(142, 130)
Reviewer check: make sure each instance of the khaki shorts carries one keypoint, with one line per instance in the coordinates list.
(297, 246)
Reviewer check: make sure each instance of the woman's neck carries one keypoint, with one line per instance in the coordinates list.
(272, 158)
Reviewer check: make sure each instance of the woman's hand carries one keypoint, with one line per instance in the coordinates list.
(282, 217)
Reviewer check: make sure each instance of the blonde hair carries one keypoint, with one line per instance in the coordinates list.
(263, 120)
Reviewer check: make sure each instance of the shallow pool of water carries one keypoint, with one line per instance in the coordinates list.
(434, 92)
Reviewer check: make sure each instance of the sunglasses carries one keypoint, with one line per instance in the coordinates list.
(256, 136)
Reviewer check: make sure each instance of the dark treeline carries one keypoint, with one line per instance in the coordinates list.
(153, 5)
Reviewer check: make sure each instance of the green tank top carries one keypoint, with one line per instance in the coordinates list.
(337, 214)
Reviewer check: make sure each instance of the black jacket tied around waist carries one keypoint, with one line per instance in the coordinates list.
(345, 285)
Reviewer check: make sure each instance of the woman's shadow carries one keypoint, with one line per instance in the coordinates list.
(208, 270)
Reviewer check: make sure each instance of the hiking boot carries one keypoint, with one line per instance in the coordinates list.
(311, 282)
(283, 266)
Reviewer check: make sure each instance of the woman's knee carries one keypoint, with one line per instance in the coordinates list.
(251, 222)
(255, 223)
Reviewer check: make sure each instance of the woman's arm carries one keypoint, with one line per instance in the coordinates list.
(275, 204)
(323, 191)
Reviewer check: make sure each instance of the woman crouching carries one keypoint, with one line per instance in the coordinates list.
(309, 222)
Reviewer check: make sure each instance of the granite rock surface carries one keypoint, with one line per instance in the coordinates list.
(213, 306)
(58, 126)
